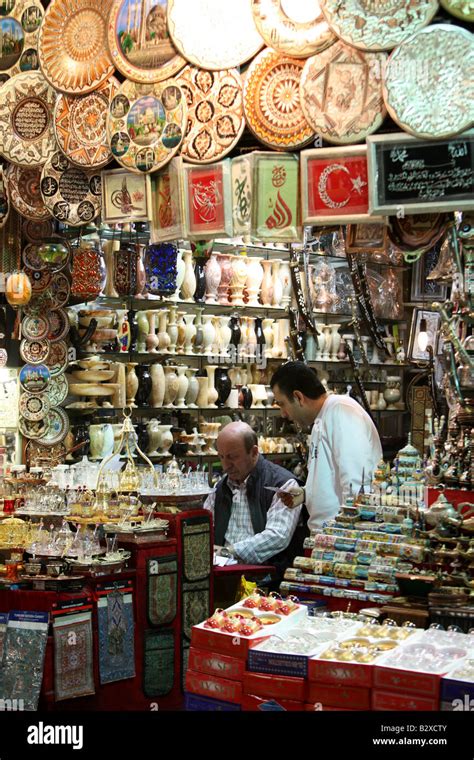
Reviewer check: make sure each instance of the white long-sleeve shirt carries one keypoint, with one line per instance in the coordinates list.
(344, 443)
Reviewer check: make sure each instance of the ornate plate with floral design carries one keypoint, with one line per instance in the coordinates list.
(25, 193)
(426, 99)
(71, 194)
(39, 304)
(35, 328)
(72, 45)
(33, 429)
(39, 278)
(34, 351)
(146, 124)
(213, 34)
(463, 9)
(39, 456)
(26, 123)
(139, 42)
(80, 125)
(341, 93)
(58, 325)
(272, 103)
(58, 427)
(4, 199)
(34, 407)
(293, 28)
(34, 378)
(57, 360)
(58, 390)
(35, 231)
(19, 26)
(377, 24)
(59, 290)
(215, 113)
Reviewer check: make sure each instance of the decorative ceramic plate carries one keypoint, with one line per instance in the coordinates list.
(72, 45)
(19, 27)
(34, 351)
(58, 427)
(26, 124)
(146, 124)
(80, 125)
(58, 325)
(341, 93)
(58, 390)
(426, 99)
(35, 328)
(57, 360)
(297, 29)
(25, 193)
(214, 34)
(39, 456)
(377, 24)
(59, 290)
(4, 199)
(72, 195)
(54, 253)
(39, 304)
(215, 113)
(37, 231)
(139, 43)
(39, 278)
(272, 103)
(34, 378)
(34, 407)
(463, 9)
(34, 430)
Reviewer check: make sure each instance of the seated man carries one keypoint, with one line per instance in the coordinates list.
(250, 520)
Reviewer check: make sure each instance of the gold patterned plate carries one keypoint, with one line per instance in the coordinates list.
(25, 193)
(57, 360)
(213, 34)
(425, 98)
(40, 279)
(39, 304)
(58, 325)
(59, 290)
(34, 407)
(57, 390)
(44, 456)
(377, 24)
(58, 427)
(36, 231)
(33, 429)
(139, 43)
(72, 45)
(463, 9)
(34, 351)
(71, 194)
(19, 26)
(215, 113)
(293, 27)
(341, 93)
(272, 103)
(80, 125)
(26, 124)
(146, 124)
(35, 328)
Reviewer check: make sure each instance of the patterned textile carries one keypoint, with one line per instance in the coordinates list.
(196, 537)
(116, 637)
(162, 581)
(196, 603)
(158, 663)
(24, 649)
(3, 630)
(184, 662)
(73, 654)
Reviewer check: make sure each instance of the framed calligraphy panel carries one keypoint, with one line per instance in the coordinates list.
(412, 176)
(207, 200)
(126, 197)
(275, 197)
(168, 203)
(241, 171)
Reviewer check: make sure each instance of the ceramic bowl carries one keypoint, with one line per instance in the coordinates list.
(93, 375)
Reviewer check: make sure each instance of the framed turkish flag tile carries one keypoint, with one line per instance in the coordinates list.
(208, 202)
(275, 197)
(335, 185)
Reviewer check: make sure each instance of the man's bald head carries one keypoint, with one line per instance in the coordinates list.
(237, 446)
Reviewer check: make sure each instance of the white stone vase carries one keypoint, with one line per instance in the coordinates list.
(157, 385)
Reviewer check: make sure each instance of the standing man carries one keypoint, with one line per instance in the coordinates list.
(345, 445)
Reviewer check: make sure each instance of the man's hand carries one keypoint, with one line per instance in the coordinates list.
(223, 551)
(292, 498)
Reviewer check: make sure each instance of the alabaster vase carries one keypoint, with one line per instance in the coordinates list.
(154, 437)
(277, 283)
(188, 286)
(225, 279)
(212, 393)
(131, 383)
(164, 339)
(180, 270)
(143, 330)
(239, 278)
(213, 274)
(266, 289)
(254, 279)
(166, 440)
(171, 386)
(189, 333)
(193, 388)
(152, 340)
(157, 385)
(183, 383)
(209, 333)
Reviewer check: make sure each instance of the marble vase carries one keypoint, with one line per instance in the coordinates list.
(180, 271)
(335, 341)
(225, 333)
(143, 329)
(285, 279)
(268, 333)
(183, 384)
(213, 274)
(166, 439)
(321, 341)
(157, 385)
(188, 287)
(326, 354)
(203, 393)
(154, 437)
(209, 333)
(277, 283)
(109, 247)
(144, 384)
(172, 329)
(266, 289)
(211, 389)
(199, 337)
(239, 278)
(171, 386)
(193, 388)
(189, 333)
(225, 264)
(131, 383)
(152, 338)
(163, 337)
(254, 279)
(181, 333)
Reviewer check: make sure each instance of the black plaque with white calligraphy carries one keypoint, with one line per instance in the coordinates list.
(411, 176)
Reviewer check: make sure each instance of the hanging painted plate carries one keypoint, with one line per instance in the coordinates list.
(58, 325)
(341, 93)
(59, 290)
(72, 195)
(58, 427)
(214, 34)
(58, 390)
(26, 124)
(80, 125)
(34, 351)
(139, 42)
(34, 407)
(72, 45)
(35, 328)
(463, 9)
(215, 113)
(297, 29)
(34, 378)
(33, 429)
(146, 124)
(4, 198)
(37, 231)
(427, 99)
(272, 103)
(39, 456)
(39, 278)
(39, 304)
(31, 257)
(57, 360)
(54, 253)
(19, 26)
(25, 193)
(377, 24)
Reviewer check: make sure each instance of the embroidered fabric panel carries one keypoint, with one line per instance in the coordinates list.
(196, 605)
(158, 663)
(162, 596)
(116, 637)
(73, 657)
(21, 671)
(185, 648)
(196, 537)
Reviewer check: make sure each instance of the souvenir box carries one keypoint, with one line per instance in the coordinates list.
(211, 686)
(263, 685)
(388, 700)
(193, 703)
(252, 703)
(457, 686)
(203, 661)
(351, 697)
